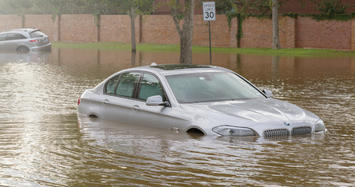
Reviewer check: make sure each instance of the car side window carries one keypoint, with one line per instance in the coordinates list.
(111, 85)
(13, 36)
(150, 86)
(22, 36)
(127, 84)
(2, 37)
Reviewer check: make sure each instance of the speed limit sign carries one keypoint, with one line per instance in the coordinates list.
(209, 11)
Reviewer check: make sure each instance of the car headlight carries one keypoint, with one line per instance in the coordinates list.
(233, 131)
(319, 126)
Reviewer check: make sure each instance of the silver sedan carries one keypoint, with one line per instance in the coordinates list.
(208, 100)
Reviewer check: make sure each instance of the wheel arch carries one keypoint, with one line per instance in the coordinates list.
(23, 46)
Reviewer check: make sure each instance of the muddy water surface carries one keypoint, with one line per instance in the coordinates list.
(43, 144)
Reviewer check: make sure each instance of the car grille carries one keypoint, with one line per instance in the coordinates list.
(301, 130)
(276, 132)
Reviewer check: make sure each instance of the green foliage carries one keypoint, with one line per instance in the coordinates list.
(331, 7)
(205, 49)
(176, 7)
(327, 17)
(58, 7)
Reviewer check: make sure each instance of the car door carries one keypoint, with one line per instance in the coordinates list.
(157, 116)
(2, 41)
(12, 41)
(118, 96)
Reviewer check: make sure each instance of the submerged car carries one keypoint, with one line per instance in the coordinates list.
(201, 99)
(24, 40)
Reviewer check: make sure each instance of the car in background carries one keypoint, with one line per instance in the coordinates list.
(24, 40)
(207, 100)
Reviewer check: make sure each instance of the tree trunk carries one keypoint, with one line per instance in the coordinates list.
(133, 29)
(187, 32)
(275, 25)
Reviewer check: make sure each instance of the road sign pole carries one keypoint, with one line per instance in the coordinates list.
(209, 28)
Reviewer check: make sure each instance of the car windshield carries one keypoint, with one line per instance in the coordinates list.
(211, 86)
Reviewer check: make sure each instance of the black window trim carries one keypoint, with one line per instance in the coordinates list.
(139, 86)
(136, 88)
(105, 86)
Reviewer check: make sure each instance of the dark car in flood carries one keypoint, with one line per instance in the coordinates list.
(24, 40)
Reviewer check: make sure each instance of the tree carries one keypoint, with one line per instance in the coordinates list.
(186, 32)
(18, 7)
(275, 25)
(262, 7)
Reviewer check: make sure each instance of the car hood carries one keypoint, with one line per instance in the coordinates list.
(252, 112)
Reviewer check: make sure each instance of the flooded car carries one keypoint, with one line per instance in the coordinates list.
(202, 99)
(24, 40)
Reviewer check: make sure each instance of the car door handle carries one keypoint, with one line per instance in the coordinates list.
(135, 108)
(106, 102)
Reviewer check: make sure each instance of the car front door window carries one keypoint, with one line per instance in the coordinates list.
(150, 86)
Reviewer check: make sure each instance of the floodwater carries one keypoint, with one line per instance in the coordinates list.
(43, 144)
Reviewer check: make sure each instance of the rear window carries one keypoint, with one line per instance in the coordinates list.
(37, 34)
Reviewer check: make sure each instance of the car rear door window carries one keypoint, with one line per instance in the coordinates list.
(150, 86)
(14, 36)
(111, 85)
(2, 37)
(127, 84)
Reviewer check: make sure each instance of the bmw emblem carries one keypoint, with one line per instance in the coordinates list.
(287, 124)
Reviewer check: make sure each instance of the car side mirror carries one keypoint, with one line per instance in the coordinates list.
(268, 93)
(156, 100)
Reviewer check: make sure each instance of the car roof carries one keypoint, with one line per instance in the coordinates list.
(174, 69)
(23, 30)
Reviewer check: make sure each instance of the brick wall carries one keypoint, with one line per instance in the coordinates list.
(159, 29)
(323, 34)
(258, 32)
(295, 6)
(220, 34)
(117, 28)
(45, 23)
(78, 28)
(8, 22)
(287, 32)
(302, 32)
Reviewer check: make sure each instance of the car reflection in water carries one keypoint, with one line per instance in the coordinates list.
(32, 56)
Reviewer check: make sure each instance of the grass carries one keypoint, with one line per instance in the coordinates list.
(205, 49)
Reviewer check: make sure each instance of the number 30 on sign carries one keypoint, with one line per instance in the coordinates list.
(209, 11)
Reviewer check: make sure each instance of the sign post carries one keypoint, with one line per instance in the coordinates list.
(209, 14)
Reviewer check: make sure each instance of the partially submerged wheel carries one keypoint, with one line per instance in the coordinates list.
(23, 49)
